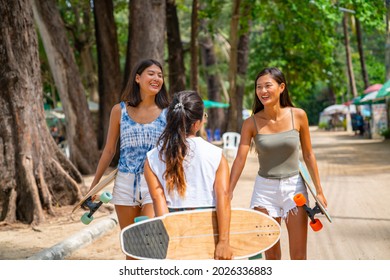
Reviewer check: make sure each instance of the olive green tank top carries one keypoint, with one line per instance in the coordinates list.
(278, 153)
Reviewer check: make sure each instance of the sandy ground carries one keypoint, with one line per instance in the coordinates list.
(355, 174)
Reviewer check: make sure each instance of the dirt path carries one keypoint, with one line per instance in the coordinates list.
(355, 175)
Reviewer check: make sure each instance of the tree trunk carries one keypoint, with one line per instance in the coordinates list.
(387, 56)
(194, 48)
(146, 32)
(209, 60)
(35, 174)
(177, 75)
(242, 59)
(361, 53)
(88, 72)
(351, 76)
(108, 64)
(331, 94)
(81, 29)
(232, 75)
(80, 134)
(387, 47)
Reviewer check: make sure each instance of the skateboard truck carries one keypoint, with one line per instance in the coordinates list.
(315, 224)
(105, 197)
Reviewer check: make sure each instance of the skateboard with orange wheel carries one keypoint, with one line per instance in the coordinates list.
(315, 224)
(300, 200)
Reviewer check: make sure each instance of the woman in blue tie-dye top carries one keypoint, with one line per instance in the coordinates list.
(137, 121)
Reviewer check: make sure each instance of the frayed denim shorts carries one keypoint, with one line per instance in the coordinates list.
(277, 195)
(126, 193)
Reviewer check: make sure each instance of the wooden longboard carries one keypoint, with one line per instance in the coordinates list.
(191, 235)
(310, 186)
(101, 185)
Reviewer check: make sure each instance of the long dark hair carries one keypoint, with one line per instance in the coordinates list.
(131, 94)
(185, 109)
(278, 76)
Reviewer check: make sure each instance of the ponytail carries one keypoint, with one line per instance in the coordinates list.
(186, 108)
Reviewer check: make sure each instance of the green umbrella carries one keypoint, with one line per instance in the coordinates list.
(214, 104)
(356, 100)
(369, 98)
(384, 91)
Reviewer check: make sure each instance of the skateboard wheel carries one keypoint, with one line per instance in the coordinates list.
(316, 226)
(105, 197)
(140, 218)
(299, 199)
(85, 219)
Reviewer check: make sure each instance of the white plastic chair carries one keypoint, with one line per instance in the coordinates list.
(231, 140)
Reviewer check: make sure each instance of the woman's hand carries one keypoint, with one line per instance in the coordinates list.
(322, 199)
(223, 251)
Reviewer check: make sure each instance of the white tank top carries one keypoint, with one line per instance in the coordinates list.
(200, 167)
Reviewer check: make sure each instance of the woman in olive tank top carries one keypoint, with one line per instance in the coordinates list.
(278, 130)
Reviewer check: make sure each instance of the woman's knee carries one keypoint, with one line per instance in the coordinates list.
(300, 255)
(274, 253)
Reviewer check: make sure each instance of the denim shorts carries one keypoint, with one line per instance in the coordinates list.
(277, 195)
(125, 193)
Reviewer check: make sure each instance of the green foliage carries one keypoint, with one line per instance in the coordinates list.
(121, 15)
(385, 133)
(288, 36)
(305, 40)
(370, 13)
(323, 125)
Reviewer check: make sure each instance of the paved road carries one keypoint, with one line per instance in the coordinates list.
(355, 175)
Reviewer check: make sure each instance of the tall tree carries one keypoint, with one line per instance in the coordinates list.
(232, 76)
(387, 46)
(146, 32)
(110, 80)
(387, 56)
(242, 57)
(80, 134)
(359, 37)
(194, 49)
(35, 174)
(77, 20)
(351, 76)
(177, 75)
(209, 62)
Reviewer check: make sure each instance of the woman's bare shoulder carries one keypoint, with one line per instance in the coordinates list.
(299, 113)
(116, 108)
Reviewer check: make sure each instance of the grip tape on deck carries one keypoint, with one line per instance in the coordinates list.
(148, 240)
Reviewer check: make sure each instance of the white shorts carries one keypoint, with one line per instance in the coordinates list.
(277, 195)
(125, 194)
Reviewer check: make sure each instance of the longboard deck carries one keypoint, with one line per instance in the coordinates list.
(310, 186)
(191, 235)
(101, 185)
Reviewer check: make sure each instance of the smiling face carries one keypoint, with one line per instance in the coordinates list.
(268, 90)
(150, 80)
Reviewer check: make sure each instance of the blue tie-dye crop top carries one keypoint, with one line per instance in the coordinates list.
(136, 140)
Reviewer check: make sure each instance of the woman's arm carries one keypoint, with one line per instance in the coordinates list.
(221, 188)
(156, 191)
(111, 142)
(308, 154)
(242, 153)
